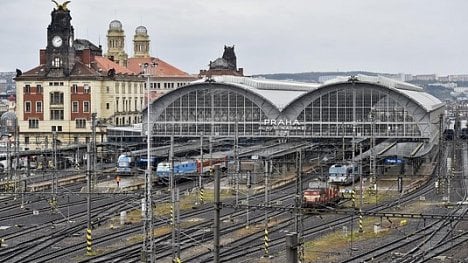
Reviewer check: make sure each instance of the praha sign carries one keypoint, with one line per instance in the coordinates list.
(286, 125)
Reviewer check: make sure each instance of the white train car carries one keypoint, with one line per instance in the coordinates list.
(343, 174)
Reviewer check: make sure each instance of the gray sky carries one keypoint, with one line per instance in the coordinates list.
(271, 36)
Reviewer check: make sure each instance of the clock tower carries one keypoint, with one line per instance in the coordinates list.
(60, 54)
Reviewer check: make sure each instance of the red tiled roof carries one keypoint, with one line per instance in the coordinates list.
(35, 71)
(105, 64)
(163, 69)
(80, 69)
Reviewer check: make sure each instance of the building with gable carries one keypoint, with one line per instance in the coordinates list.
(72, 81)
(164, 77)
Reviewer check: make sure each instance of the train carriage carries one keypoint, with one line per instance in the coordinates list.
(125, 165)
(191, 168)
(343, 174)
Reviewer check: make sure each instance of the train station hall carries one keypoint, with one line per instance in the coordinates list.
(358, 107)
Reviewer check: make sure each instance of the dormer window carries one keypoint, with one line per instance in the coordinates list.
(87, 88)
(57, 62)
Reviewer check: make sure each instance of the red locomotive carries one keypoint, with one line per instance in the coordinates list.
(320, 194)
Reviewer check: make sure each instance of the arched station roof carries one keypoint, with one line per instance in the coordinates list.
(398, 109)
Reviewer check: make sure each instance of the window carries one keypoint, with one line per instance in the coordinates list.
(27, 106)
(107, 89)
(39, 89)
(75, 140)
(26, 140)
(57, 62)
(27, 89)
(80, 123)
(56, 114)
(107, 105)
(33, 123)
(55, 83)
(87, 88)
(74, 88)
(75, 106)
(56, 98)
(38, 106)
(85, 106)
(57, 128)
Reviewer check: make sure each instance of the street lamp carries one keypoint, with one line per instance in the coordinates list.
(147, 250)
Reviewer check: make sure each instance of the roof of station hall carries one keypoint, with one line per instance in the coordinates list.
(282, 93)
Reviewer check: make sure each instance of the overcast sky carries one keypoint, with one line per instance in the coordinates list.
(270, 36)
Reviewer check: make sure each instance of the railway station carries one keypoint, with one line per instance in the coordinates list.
(388, 119)
(113, 157)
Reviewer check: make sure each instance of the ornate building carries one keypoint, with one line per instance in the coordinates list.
(73, 80)
(141, 43)
(164, 77)
(116, 44)
(225, 65)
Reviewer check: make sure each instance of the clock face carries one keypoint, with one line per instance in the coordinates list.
(57, 41)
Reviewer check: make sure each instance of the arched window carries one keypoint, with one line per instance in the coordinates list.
(57, 62)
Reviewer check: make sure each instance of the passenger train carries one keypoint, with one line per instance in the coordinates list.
(127, 164)
(343, 174)
(464, 129)
(456, 129)
(449, 132)
(190, 168)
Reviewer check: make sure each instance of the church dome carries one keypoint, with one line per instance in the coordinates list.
(115, 24)
(141, 30)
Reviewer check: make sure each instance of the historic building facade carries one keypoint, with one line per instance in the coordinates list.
(116, 44)
(57, 98)
(163, 77)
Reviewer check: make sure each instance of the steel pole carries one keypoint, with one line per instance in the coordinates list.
(217, 207)
(89, 247)
(148, 246)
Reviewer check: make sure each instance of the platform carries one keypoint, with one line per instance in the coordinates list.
(125, 184)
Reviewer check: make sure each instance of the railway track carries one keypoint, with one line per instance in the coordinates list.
(432, 240)
(246, 246)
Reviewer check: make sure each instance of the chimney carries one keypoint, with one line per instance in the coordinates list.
(42, 57)
(86, 56)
